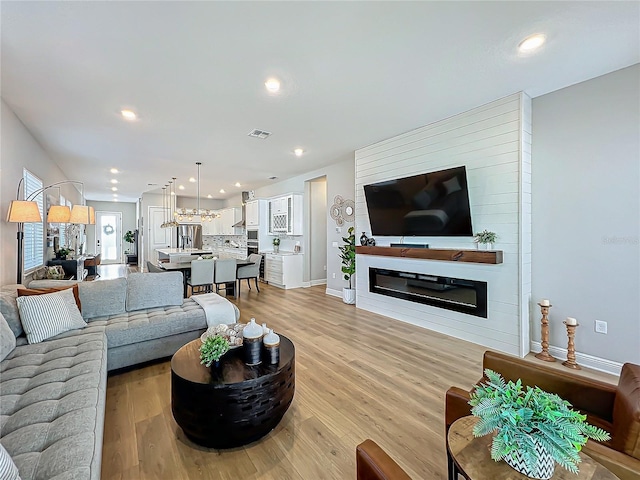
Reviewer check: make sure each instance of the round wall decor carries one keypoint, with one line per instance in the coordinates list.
(342, 210)
(108, 229)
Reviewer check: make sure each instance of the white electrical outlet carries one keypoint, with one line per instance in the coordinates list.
(334, 244)
(334, 275)
(601, 327)
(325, 268)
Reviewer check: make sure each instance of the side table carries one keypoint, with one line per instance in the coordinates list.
(471, 458)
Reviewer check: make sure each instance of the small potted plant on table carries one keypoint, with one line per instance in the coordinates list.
(533, 428)
(348, 256)
(212, 349)
(276, 244)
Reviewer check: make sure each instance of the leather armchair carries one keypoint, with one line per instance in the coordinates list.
(373, 463)
(615, 409)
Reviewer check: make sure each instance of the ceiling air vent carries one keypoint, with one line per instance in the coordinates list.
(259, 134)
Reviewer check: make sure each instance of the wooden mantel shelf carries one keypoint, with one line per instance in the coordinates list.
(448, 255)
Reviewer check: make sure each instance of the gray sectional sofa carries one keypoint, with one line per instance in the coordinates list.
(52, 394)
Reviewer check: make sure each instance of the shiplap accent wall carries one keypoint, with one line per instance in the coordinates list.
(493, 142)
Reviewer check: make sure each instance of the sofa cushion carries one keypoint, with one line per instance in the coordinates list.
(52, 405)
(9, 308)
(153, 323)
(25, 292)
(44, 316)
(8, 469)
(103, 297)
(149, 291)
(7, 340)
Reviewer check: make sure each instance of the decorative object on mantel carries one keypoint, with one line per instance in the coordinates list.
(544, 332)
(342, 210)
(364, 239)
(371, 242)
(212, 349)
(533, 428)
(348, 257)
(485, 238)
(276, 244)
(571, 324)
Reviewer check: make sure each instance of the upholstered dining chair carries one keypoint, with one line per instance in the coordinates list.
(152, 268)
(224, 272)
(201, 279)
(250, 271)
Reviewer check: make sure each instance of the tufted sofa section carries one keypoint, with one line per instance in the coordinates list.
(52, 401)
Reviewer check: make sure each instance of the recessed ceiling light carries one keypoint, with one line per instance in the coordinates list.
(115, 195)
(272, 84)
(128, 114)
(114, 170)
(209, 196)
(238, 184)
(532, 42)
(222, 190)
(114, 181)
(181, 187)
(114, 189)
(192, 180)
(298, 152)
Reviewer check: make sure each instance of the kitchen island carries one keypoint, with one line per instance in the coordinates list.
(181, 255)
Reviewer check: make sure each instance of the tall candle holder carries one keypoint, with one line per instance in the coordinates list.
(571, 348)
(544, 334)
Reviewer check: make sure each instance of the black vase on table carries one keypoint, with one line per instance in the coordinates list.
(364, 239)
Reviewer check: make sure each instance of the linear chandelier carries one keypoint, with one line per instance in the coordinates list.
(190, 214)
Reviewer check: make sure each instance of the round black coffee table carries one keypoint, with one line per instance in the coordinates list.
(234, 404)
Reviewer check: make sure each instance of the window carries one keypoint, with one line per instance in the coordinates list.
(33, 232)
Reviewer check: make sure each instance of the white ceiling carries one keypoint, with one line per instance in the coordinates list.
(352, 73)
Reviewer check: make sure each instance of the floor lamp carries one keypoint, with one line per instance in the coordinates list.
(27, 211)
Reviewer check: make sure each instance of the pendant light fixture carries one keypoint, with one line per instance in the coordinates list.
(190, 215)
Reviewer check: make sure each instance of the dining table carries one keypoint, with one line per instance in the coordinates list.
(185, 268)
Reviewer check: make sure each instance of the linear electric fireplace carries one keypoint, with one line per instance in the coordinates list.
(460, 295)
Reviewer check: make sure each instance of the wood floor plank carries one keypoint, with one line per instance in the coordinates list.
(358, 375)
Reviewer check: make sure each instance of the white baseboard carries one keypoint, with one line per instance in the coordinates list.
(333, 292)
(583, 359)
(322, 281)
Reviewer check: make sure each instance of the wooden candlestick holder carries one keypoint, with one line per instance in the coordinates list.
(571, 348)
(544, 335)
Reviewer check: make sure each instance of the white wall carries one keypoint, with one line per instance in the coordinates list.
(491, 141)
(586, 220)
(340, 181)
(18, 150)
(129, 221)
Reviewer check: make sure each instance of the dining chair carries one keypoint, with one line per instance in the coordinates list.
(152, 268)
(250, 271)
(201, 279)
(224, 273)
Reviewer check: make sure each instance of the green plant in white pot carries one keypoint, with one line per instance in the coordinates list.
(533, 428)
(348, 257)
(485, 237)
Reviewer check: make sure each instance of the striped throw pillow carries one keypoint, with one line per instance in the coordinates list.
(8, 469)
(44, 316)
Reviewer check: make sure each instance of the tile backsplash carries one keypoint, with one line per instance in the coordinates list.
(221, 245)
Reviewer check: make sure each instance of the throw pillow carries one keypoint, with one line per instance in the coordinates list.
(45, 316)
(452, 185)
(25, 292)
(7, 343)
(9, 308)
(8, 469)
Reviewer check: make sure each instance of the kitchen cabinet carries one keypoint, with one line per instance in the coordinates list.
(252, 213)
(285, 215)
(224, 223)
(283, 271)
(211, 228)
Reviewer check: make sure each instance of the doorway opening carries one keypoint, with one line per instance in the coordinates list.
(316, 191)
(109, 237)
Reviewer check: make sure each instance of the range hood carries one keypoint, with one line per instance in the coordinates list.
(242, 222)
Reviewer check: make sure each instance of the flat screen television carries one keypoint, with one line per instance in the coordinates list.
(429, 204)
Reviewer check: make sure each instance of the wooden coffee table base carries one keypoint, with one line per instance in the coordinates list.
(234, 405)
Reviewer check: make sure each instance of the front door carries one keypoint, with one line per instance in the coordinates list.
(109, 237)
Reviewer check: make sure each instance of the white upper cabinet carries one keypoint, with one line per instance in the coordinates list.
(285, 215)
(224, 223)
(253, 213)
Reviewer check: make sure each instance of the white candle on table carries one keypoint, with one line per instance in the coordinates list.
(544, 303)
(571, 321)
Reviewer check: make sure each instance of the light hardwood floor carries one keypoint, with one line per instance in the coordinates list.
(358, 375)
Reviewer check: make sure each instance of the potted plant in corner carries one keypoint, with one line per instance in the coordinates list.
(348, 256)
(129, 237)
(485, 238)
(533, 428)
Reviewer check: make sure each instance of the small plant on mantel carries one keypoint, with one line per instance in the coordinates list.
(485, 237)
(532, 428)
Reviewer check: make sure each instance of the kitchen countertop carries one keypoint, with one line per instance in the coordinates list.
(281, 252)
(190, 251)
